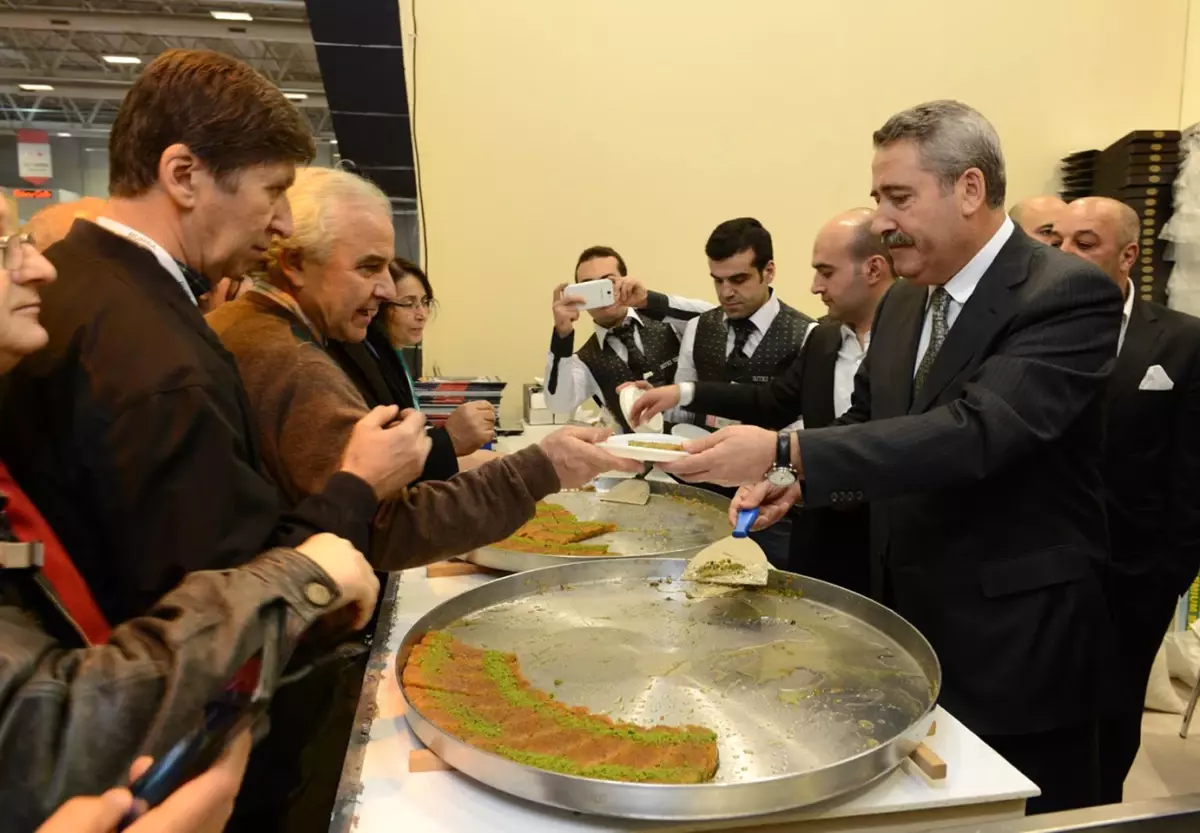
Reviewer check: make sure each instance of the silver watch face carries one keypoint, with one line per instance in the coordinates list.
(781, 477)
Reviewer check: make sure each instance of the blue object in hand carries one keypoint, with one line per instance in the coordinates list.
(746, 519)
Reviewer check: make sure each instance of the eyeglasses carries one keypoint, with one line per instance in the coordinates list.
(12, 251)
(409, 304)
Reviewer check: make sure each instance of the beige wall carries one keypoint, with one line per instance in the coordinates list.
(1189, 99)
(546, 126)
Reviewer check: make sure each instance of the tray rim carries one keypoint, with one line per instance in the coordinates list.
(666, 802)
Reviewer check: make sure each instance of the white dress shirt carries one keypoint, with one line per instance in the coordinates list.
(1125, 313)
(962, 286)
(849, 357)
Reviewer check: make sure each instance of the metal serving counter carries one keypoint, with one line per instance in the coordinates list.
(1177, 814)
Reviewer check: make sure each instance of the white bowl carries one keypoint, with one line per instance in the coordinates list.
(628, 397)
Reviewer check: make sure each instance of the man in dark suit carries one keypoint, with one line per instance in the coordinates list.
(1152, 471)
(975, 434)
(852, 270)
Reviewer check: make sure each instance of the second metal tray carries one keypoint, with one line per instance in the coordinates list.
(678, 522)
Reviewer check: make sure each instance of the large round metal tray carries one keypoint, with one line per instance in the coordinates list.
(810, 696)
(678, 522)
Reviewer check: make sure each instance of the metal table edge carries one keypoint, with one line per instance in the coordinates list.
(342, 817)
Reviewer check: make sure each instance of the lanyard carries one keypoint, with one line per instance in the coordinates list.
(408, 375)
(160, 254)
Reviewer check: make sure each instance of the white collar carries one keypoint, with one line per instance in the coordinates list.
(602, 332)
(160, 254)
(1128, 309)
(849, 334)
(962, 286)
(764, 315)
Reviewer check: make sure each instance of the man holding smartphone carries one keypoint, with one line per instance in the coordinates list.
(625, 347)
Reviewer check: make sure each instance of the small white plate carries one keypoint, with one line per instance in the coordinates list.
(628, 397)
(619, 446)
(690, 432)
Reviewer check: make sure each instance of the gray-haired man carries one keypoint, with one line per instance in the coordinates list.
(975, 435)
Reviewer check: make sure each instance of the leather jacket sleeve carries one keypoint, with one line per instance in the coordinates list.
(72, 720)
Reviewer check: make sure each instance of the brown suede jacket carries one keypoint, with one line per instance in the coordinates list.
(306, 406)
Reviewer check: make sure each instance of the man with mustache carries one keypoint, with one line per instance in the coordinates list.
(1036, 215)
(975, 435)
(1152, 470)
(852, 270)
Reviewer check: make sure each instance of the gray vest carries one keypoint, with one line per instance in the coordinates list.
(776, 351)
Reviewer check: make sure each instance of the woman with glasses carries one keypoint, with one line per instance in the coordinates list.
(379, 371)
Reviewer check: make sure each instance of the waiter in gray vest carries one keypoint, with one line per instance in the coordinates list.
(625, 346)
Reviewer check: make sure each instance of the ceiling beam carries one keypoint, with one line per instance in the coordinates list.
(155, 24)
(314, 100)
(107, 79)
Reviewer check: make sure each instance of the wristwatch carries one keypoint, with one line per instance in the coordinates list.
(782, 474)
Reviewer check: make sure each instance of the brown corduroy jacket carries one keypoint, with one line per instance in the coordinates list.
(306, 407)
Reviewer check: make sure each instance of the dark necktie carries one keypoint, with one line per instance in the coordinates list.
(637, 359)
(738, 362)
(939, 307)
(195, 281)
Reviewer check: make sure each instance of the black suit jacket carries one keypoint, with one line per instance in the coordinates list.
(1152, 463)
(987, 504)
(827, 543)
(132, 435)
(375, 370)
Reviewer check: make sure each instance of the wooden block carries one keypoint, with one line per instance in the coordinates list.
(929, 763)
(443, 569)
(423, 760)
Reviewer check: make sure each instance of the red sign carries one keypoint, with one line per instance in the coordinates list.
(33, 156)
(32, 193)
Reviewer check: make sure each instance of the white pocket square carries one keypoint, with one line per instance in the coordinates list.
(1156, 379)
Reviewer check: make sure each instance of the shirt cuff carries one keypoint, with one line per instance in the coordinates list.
(687, 392)
(561, 347)
(658, 305)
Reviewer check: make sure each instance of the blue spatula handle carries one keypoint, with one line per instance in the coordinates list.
(746, 519)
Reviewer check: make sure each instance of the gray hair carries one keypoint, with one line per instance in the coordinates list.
(952, 138)
(316, 196)
(865, 243)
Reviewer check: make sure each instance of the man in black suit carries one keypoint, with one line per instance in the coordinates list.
(1036, 215)
(852, 270)
(975, 434)
(1152, 471)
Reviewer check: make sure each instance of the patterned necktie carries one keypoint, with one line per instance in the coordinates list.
(738, 363)
(637, 359)
(938, 309)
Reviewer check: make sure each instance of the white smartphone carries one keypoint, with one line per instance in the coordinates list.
(595, 294)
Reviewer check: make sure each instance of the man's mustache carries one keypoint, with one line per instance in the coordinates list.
(896, 239)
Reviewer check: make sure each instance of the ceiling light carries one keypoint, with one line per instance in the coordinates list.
(63, 135)
(242, 16)
(333, 141)
(36, 88)
(122, 59)
(295, 96)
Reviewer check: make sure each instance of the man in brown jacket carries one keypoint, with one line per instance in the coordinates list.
(326, 281)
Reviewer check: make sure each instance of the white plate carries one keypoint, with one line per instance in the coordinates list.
(690, 432)
(627, 398)
(619, 446)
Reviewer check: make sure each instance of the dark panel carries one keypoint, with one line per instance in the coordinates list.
(363, 80)
(362, 66)
(347, 21)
